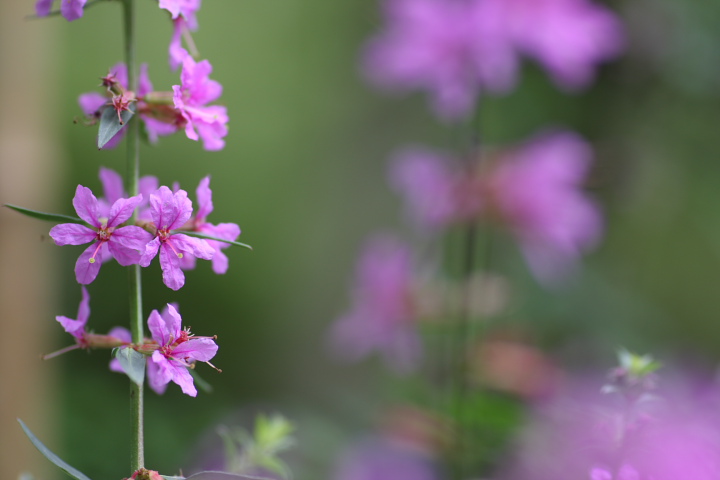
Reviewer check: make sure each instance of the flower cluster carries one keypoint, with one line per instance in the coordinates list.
(164, 113)
(170, 352)
(383, 313)
(455, 48)
(161, 219)
(533, 191)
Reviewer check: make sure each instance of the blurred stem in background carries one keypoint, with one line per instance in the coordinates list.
(30, 174)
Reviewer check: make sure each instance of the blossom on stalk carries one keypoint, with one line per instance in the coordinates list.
(383, 316)
(208, 122)
(158, 119)
(225, 231)
(454, 49)
(70, 9)
(84, 339)
(171, 211)
(533, 191)
(114, 189)
(178, 350)
(108, 237)
(184, 21)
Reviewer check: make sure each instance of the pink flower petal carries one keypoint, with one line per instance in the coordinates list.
(86, 205)
(72, 234)
(86, 272)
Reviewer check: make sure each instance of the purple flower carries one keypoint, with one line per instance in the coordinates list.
(114, 189)
(226, 231)
(191, 98)
(382, 317)
(70, 9)
(454, 49)
(125, 244)
(568, 37)
(178, 350)
(384, 459)
(76, 327)
(171, 211)
(184, 21)
(156, 123)
(450, 48)
(534, 191)
(538, 193)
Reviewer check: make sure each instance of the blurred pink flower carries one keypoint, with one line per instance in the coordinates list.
(533, 191)
(383, 459)
(454, 49)
(382, 317)
(70, 9)
(208, 122)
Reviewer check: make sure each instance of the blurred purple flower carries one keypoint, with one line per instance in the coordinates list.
(70, 9)
(675, 437)
(170, 211)
(124, 243)
(114, 189)
(191, 98)
(382, 317)
(456, 48)
(533, 191)
(178, 351)
(226, 231)
(383, 459)
(184, 21)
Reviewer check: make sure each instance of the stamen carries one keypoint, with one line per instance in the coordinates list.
(92, 259)
(213, 366)
(60, 352)
(179, 254)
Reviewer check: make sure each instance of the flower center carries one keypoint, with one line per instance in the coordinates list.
(164, 236)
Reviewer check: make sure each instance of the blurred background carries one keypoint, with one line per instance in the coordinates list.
(304, 175)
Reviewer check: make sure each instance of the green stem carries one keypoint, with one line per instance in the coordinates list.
(137, 452)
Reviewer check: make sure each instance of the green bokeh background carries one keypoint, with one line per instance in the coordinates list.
(303, 174)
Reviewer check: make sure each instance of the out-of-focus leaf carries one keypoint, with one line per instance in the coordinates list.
(210, 237)
(132, 362)
(48, 217)
(110, 125)
(200, 382)
(54, 458)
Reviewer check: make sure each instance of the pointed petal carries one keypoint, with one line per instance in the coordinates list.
(132, 237)
(84, 308)
(197, 247)
(72, 234)
(183, 209)
(124, 256)
(204, 198)
(158, 373)
(144, 84)
(76, 328)
(151, 249)
(183, 378)
(200, 349)
(220, 262)
(173, 321)
(91, 102)
(86, 272)
(86, 205)
(121, 333)
(112, 183)
(158, 328)
(226, 231)
(123, 209)
(173, 276)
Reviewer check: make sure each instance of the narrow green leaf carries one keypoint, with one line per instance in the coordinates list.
(224, 476)
(210, 237)
(110, 125)
(51, 456)
(132, 362)
(48, 217)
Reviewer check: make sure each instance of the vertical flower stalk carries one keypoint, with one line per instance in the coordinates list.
(137, 451)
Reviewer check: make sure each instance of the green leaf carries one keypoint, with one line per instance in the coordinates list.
(52, 457)
(48, 217)
(132, 362)
(210, 237)
(110, 125)
(224, 476)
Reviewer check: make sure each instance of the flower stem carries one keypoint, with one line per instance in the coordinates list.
(137, 451)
